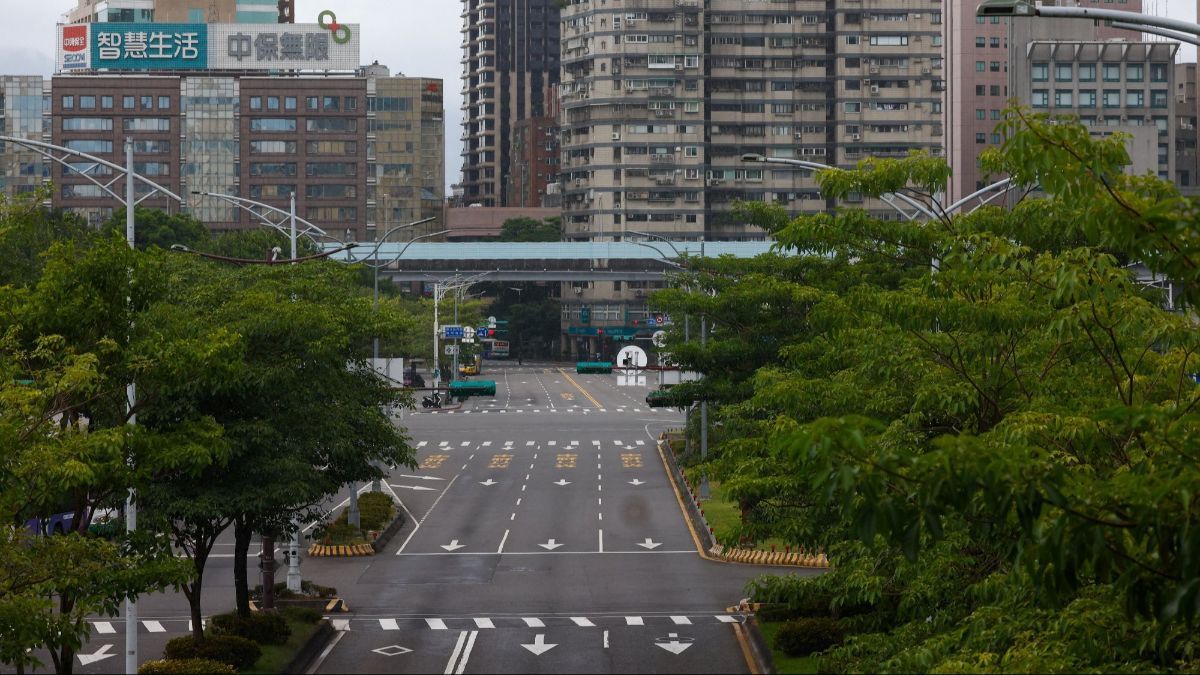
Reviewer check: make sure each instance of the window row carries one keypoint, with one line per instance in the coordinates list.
(105, 101)
(311, 147)
(1110, 98)
(106, 124)
(311, 169)
(1111, 72)
(317, 125)
(310, 191)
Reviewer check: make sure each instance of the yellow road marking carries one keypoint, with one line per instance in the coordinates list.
(581, 389)
(567, 396)
(744, 643)
(500, 461)
(434, 461)
(565, 460)
(631, 460)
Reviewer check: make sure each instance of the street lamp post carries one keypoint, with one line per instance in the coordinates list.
(1175, 29)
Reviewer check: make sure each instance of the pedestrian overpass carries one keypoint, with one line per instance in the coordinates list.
(548, 261)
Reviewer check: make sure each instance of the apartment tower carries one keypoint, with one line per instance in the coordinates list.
(977, 50)
(510, 66)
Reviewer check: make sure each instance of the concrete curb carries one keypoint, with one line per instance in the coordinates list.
(340, 550)
(390, 531)
(705, 535)
(759, 649)
(311, 649)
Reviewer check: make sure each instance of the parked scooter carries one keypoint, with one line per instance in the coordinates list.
(434, 400)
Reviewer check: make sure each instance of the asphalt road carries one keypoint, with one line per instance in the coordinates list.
(543, 536)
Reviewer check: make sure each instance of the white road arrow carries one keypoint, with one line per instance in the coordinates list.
(650, 544)
(562, 482)
(489, 482)
(404, 475)
(413, 487)
(673, 644)
(635, 482)
(550, 545)
(99, 655)
(453, 545)
(539, 645)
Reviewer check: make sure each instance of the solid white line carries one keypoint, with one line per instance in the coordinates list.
(325, 654)
(534, 623)
(389, 624)
(468, 553)
(634, 621)
(154, 627)
(104, 627)
(417, 523)
(484, 623)
(681, 620)
(502, 540)
(601, 536)
(437, 624)
(462, 637)
(583, 622)
(606, 639)
(467, 653)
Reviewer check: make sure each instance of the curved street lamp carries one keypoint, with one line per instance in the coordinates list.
(1175, 29)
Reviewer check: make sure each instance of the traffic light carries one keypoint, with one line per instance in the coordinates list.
(491, 332)
(600, 332)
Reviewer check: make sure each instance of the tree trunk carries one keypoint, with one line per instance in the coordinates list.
(192, 593)
(64, 656)
(242, 534)
(268, 572)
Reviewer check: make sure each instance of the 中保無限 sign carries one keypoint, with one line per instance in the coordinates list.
(198, 46)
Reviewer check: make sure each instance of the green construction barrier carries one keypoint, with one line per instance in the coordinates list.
(461, 389)
(596, 367)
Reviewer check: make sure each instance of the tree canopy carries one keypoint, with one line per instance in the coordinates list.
(530, 229)
(985, 420)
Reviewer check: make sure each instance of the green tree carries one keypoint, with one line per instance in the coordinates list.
(530, 229)
(27, 231)
(155, 227)
(300, 423)
(983, 419)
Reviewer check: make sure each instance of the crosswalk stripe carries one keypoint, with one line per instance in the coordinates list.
(534, 623)
(484, 623)
(105, 627)
(486, 443)
(553, 443)
(341, 624)
(528, 443)
(641, 442)
(436, 624)
(465, 443)
(154, 627)
(681, 620)
(389, 624)
(725, 618)
(583, 622)
(596, 443)
(634, 621)
(422, 444)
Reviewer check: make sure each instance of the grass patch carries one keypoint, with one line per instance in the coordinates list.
(724, 515)
(784, 664)
(275, 657)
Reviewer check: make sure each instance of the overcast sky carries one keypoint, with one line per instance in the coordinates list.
(419, 38)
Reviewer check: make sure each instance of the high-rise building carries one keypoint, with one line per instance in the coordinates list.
(510, 66)
(24, 101)
(977, 55)
(1187, 160)
(176, 11)
(662, 101)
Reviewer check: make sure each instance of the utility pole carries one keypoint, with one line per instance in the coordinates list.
(131, 610)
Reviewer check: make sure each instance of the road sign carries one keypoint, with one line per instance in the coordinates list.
(451, 350)
(481, 332)
(659, 339)
(468, 339)
(631, 357)
(651, 322)
(452, 332)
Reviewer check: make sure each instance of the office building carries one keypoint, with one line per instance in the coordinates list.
(977, 62)
(1187, 160)
(510, 66)
(24, 102)
(182, 11)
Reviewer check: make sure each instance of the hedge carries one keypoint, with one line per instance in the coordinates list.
(236, 651)
(186, 667)
(265, 629)
(806, 636)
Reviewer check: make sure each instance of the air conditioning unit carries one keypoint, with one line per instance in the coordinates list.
(662, 113)
(926, 70)
(639, 293)
(714, 181)
(629, 89)
(616, 135)
(799, 135)
(874, 70)
(578, 183)
(874, 90)
(856, 137)
(679, 67)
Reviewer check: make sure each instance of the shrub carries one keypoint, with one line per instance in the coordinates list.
(236, 651)
(307, 590)
(802, 637)
(263, 628)
(302, 614)
(374, 510)
(185, 667)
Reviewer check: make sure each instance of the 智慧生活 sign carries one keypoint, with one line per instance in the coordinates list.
(198, 46)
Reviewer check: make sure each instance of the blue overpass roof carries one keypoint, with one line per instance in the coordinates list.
(511, 251)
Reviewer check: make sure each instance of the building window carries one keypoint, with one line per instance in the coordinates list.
(1158, 98)
(1158, 72)
(350, 103)
(256, 103)
(981, 90)
(312, 102)
(147, 102)
(1087, 98)
(68, 102)
(1112, 98)
(1134, 72)
(1041, 98)
(994, 90)
(995, 113)
(289, 103)
(1112, 72)
(273, 124)
(996, 42)
(980, 114)
(273, 103)
(164, 102)
(996, 139)
(1087, 72)
(981, 138)
(1063, 72)
(1063, 98)
(147, 124)
(980, 42)
(87, 102)
(127, 102)
(981, 66)
(106, 102)
(1135, 99)
(994, 66)
(330, 103)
